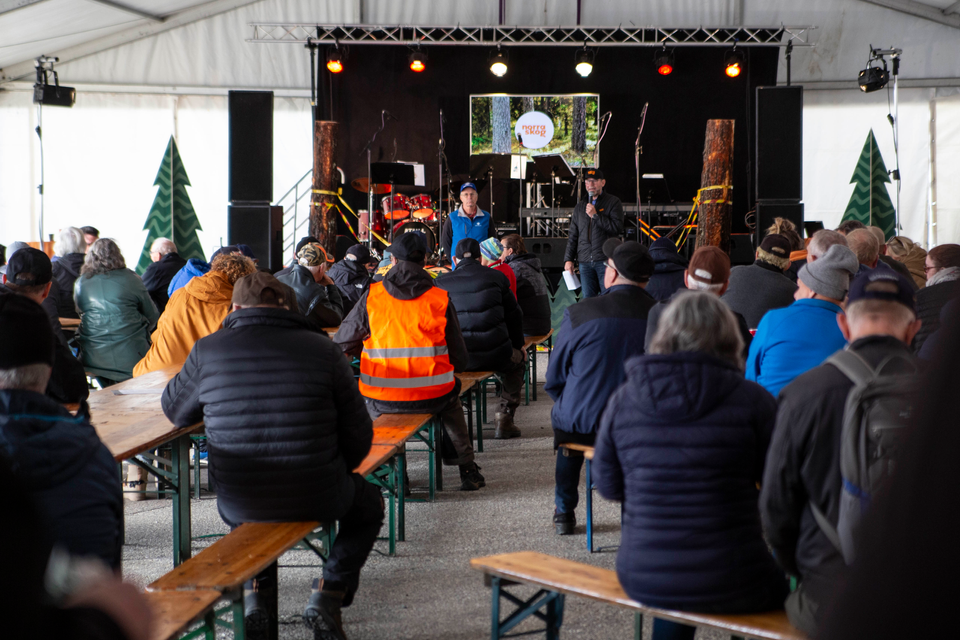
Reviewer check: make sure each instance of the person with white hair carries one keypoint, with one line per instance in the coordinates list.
(166, 263)
(70, 250)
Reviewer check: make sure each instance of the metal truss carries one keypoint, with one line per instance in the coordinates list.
(618, 36)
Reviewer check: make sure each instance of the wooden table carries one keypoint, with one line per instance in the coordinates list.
(132, 423)
(69, 323)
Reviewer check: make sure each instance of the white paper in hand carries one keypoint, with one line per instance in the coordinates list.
(571, 280)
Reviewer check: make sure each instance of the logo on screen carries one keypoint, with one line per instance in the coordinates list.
(534, 130)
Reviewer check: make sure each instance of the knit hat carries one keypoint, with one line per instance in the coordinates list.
(830, 274)
(29, 267)
(258, 288)
(709, 265)
(775, 249)
(312, 255)
(28, 322)
(491, 249)
(468, 248)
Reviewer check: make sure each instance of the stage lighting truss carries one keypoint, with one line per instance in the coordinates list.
(418, 60)
(498, 62)
(734, 62)
(618, 36)
(664, 60)
(335, 59)
(584, 61)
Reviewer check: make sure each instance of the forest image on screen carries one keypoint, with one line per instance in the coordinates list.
(536, 125)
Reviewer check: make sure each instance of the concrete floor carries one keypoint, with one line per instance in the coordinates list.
(429, 590)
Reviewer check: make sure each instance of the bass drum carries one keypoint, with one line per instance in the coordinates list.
(415, 226)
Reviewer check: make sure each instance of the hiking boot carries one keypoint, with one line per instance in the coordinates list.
(564, 523)
(256, 618)
(505, 427)
(470, 478)
(322, 614)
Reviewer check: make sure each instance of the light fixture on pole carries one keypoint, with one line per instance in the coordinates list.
(418, 60)
(498, 62)
(584, 61)
(334, 60)
(664, 61)
(733, 62)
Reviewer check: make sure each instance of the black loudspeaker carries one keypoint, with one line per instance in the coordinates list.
(549, 250)
(767, 211)
(741, 248)
(251, 147)
(779, 142)
(260, 227)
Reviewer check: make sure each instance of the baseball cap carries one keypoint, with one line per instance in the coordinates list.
(258, 288)
(29, 267)
(775, 249)
(709, 265)
(491, 249)
(358, 253)
(882, 284)
(312, 255)
(468, 248)
(593, 174)
(468, 185)
(25, 319)
(409, 246)
(631, 259)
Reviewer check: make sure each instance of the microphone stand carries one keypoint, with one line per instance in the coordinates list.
(637, 151)
(383, 125)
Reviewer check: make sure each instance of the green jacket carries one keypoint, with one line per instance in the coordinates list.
(116, 318)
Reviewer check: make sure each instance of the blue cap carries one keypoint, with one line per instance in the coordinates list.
(882, 284)
(468, 185)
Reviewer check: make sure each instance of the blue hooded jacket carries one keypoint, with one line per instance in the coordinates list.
(194, 267)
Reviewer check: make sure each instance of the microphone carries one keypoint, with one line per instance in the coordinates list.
(389, 115)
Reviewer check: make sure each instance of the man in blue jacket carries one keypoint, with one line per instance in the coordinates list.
(469, 221)
(596, 337)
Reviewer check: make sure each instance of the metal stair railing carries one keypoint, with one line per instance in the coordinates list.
(292, 221)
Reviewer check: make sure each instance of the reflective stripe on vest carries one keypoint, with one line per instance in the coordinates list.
(406, 356)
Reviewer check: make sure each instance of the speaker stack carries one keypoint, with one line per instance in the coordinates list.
(779, 157)
(251, 220)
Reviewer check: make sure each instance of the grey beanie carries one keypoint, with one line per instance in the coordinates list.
(830, 274)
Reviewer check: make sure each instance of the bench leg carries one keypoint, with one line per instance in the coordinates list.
(469, 415)
(180, 457)
(210, 625)
(479, 421)
(400, 483)
(550, 601)
(239, 628)
(638, 626)
(533, 381)
(589, 478)
(392, 505)
(437, 439)
(526, 381)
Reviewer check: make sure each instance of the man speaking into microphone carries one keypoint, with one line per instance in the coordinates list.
(595, 219)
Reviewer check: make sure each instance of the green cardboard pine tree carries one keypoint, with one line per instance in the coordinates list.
(172, 215)
(559, 301)
(870, 202)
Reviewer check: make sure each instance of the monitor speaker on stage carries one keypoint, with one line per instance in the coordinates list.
(549, 250)
(767, 211)
(251, 147)
(779, 143)
(260, 227)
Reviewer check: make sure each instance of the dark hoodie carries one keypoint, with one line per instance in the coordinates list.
(352, 279)
(668, 268)
(71, 475)
(405, 281)
(66, 270)
(682, 444)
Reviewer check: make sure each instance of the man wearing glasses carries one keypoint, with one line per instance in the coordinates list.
(595, 219)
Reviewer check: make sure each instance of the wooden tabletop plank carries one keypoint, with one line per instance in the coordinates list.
(69, 323)
(173, 611)
(585, 448)
(379, 454)
(530, 341)
(393, 436)
(475, 376)
(401, 420)
(232, 560)
(467, 385)
(597, 583)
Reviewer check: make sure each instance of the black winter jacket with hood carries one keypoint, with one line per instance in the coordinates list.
(66, 270)
(668, 268)
(533, 293)
(352, 279)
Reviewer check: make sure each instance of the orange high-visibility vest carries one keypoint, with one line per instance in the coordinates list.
(405, 358)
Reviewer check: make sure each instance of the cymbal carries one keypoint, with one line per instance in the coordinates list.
(396, 214)
(360, 184)
(419, 214)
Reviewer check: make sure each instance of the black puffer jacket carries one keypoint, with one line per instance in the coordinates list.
(285, 421)
(321, 305)
(157, 276)
(490, 318)
(930, 302)
(71, 475)
(66, 270)
(668, 268)
(533, 294)
(352, 279)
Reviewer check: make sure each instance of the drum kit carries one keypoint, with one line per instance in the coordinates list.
(400, 213)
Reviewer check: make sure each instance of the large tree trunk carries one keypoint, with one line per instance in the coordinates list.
(716, 203)
(579, 124)
(500, 124)
(323, 217)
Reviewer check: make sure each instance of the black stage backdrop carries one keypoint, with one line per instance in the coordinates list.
(377, 77)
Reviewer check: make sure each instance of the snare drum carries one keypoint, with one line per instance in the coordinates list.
(415, 226)
(396, 207)
(421, 206)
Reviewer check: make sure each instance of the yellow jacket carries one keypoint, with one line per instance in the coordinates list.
(194, 311)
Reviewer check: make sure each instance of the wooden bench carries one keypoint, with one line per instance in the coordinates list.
(399, 428)
(174, 611)
(531, 343)
(473, 385)
(557, 577)
(587, 452)
(381, 468)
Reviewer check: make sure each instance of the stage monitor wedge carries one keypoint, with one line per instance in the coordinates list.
(779, 143)
(250, 147)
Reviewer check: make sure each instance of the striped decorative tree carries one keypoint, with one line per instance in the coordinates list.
(870, 203)
(172, 215)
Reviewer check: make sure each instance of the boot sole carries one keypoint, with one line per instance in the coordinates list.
(566, 528)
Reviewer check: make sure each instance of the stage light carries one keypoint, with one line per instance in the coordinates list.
(734, 62)
(873, 79)
(334, 60)
(584, 61)
(418, 61)
(498, 62)
(664, 61)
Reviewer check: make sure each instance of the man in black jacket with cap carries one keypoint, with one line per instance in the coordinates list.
(351, 275)
(595, 219)
(286, 427)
